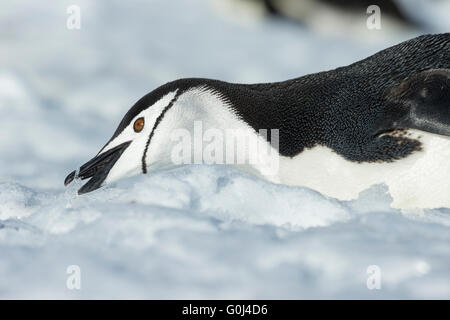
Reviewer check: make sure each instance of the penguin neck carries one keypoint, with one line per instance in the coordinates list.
(290, 106)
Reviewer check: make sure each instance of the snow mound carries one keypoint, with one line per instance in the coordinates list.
(214, 232)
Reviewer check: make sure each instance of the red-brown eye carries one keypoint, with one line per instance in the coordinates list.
(139, 125)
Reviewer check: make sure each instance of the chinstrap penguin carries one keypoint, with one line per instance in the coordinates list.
(384, 119)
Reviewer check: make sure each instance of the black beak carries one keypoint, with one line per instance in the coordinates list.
(97, 168)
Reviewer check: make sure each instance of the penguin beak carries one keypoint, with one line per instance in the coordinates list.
(97, 168)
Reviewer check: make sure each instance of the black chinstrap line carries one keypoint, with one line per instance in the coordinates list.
(158, 120)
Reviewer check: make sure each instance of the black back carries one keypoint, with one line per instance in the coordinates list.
(345, 108)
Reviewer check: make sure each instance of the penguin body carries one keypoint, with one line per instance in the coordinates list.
(385, 119)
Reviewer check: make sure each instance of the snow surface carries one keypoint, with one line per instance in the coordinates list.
(197, 231)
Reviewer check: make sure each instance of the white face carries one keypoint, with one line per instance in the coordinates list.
(130, 162)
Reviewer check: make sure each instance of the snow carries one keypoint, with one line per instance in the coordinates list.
(196, 231)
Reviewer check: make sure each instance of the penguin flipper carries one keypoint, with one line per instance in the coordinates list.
(424, 101)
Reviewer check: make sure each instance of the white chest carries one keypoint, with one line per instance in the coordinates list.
(421, 180)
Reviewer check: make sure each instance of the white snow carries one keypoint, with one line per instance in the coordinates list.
(197, 231)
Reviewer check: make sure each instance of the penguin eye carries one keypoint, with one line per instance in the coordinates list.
(139, 125)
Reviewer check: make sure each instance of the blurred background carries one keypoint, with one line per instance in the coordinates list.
(196, 232)
(63, 91)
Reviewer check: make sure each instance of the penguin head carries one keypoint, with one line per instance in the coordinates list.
(142, 140)
(423, 102)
